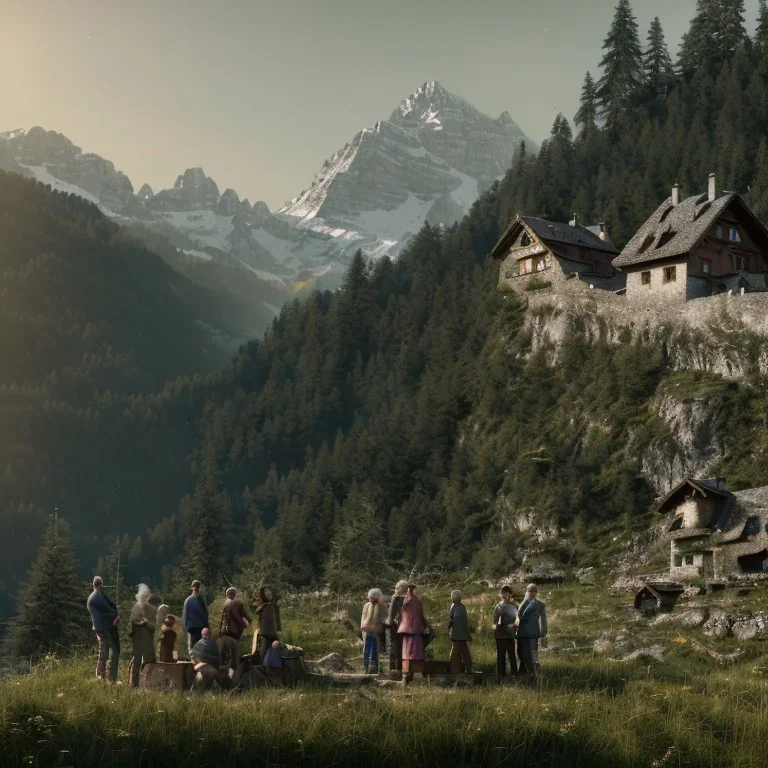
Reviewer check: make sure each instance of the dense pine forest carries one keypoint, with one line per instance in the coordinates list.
(403, 420)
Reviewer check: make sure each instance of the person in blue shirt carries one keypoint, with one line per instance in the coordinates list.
(194, 616)
(105, 619)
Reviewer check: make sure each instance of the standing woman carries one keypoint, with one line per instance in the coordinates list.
(143, 616)
(393, 621)
(412, 627)
(269, 619)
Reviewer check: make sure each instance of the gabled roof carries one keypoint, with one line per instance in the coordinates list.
(675, 230)
(553, 232)
(704, 487)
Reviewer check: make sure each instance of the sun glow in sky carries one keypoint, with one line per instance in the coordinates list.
(259, 93)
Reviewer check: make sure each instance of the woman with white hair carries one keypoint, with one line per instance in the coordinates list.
(143, 617)
(372, 625)
(393, 622)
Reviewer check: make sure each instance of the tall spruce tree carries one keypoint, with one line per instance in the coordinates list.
(761, 33)
(586, 118)
(758, 194)
(698, 43)
(657, 63)
(732, 33)
(622, 66)
(52, 616)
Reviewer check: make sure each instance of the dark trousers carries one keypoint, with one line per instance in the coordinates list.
(461, 658)
(505, 648)
(528, 650)
(109, 647)
(395, 650)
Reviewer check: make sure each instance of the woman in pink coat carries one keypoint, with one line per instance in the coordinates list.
(412, 627)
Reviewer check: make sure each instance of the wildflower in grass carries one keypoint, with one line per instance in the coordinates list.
(60, 695)
(664, 760)
(566, 727)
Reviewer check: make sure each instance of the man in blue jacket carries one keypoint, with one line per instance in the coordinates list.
(531, 625)
(194, 616)
(105, 619)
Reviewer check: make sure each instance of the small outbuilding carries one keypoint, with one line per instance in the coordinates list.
(658, 596)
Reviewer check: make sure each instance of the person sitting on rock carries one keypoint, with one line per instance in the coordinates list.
(205, 654)
(372, 625)
(167, 653)
(273, 662)
(458, 627)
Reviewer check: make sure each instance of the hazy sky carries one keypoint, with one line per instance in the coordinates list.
(260, 92)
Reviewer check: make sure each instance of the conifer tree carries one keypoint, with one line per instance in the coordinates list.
(761, 33)
(697, 45)
(586, 117)
(206, 518)
(657, 63)
(731, 30)
(622, 66)
(758, 194)
(52, 615)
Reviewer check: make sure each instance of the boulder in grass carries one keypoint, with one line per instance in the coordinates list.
(161, 676)
(603, 643)
(690, 619)
(718, 624)
(333, 663)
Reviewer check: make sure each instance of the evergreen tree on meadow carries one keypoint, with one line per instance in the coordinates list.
(586, 118)
(622, 66)
(657, 63)
(206, 521)
(52, 615)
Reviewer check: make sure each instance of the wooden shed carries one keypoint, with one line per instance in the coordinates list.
(658, 596)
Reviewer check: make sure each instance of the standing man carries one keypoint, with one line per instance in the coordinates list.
(234, 620)
(392, 623)
(194, 616)
(458, 626)
(143, 618)
(104, 618)
(504, 621)
(531, 625)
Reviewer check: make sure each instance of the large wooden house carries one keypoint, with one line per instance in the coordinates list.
(713, 533)
(536, 253)
(701, 246)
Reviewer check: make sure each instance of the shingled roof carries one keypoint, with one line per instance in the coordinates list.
(674, 230)
(553, 232)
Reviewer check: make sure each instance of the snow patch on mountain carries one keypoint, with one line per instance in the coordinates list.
(43, 175)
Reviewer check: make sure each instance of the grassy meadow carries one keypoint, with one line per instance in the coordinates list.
(589, 710)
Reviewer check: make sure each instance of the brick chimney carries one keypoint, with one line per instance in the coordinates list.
(676, 194)
(712, 187)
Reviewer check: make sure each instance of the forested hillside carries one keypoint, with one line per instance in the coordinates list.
(90, 323)
(406, 419)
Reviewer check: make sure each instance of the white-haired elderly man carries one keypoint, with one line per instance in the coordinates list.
(458, 627)
(531, 624)
(143, 618)
(372, 626)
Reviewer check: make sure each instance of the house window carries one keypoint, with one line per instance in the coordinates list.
(706, 267)
(645, 277)
(733, 235)
(540, 264)
(719, 231)
(678, 561)
(688, 560)
(752, 527)
(670, 274)
(525, 239)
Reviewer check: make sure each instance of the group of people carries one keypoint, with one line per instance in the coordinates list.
(517, 630)
(206, 652)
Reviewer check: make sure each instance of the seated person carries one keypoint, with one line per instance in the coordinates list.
(206, 657)
(167, 652)
(273, 661)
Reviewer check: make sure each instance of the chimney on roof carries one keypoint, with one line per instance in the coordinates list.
(712, 187)
(575, 221)
(603, 233)
(676, 194)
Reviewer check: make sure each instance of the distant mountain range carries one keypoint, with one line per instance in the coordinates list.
(428, 163)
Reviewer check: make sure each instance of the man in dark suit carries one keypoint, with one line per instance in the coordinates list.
(531, 625)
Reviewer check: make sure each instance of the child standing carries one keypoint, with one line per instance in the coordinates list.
(372, 624)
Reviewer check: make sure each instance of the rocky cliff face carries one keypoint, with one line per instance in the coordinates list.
(427, 163)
